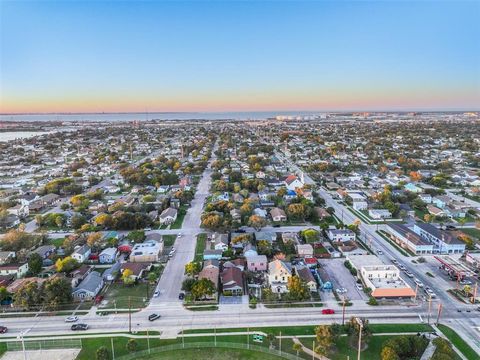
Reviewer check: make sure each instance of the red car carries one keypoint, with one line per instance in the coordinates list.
(328, 311)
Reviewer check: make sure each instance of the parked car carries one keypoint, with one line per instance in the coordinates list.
(172, 252)
(418, 282)
(394, 261)
(3, 329)
(71, 319)
(156, 293)
(450, 227)
(341, 290)
(79, 327)
(466, 282)
(181, 296)
(328, 311)
(359, 287)
(154, 317)
(409, 274)
(379, 252)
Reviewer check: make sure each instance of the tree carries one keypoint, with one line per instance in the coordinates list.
(244, 238)
(389, 354)
(428, 218)
(415, 176)
(66, 264)
(94, 239)
(136, 236)
(192, 268)
(353, 329)
(127, 277)
(310, 235)
(35, 263)
(264, 247)
(257, 222)
(188, 283)
(296, 211)
(102, 353)
(324, 339)
(77, 221)
(56, 291)
(132, 345)
(16, 240)
(212, 221)
(297, 289)
(104, 220)
(28, 296)
(297, 347)
(202, 288)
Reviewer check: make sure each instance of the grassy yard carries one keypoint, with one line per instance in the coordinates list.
(212, 354)
(56, 242)
(475, 233)
(181, 215)
(460, 344)
(169, 240)
(200, 247)
(120, 293)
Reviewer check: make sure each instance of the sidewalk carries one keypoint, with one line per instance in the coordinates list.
(309, 351)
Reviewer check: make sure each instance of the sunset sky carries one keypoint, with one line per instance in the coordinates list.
(239, 56)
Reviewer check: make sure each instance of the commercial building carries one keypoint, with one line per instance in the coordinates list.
(408, 239)
(444, 242)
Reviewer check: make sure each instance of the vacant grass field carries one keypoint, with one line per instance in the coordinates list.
(120, 293)
(200, 247)
(211, 354)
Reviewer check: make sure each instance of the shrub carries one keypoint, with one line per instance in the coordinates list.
(102, 353)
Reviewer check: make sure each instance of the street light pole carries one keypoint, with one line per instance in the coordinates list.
(429, 308)
(360, 323)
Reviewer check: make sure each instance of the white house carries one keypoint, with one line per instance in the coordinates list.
(82, 253)
(342, 235)
(107, 256)
(168, 216)
(378, 214)
(292, 182)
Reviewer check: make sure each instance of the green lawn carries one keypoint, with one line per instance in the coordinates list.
(200, 247)
(472, 232)
(211, 354)
(460, 344)
(120, 293)
(178, 223)
(169, 240)
(56, 242)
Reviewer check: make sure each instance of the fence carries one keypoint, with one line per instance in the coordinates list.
(198, 345)
(48, 344)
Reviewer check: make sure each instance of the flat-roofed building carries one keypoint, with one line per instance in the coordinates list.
(385, 282)
(408, 239)
(444, 242)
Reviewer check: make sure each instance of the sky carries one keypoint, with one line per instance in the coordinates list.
(100, 56)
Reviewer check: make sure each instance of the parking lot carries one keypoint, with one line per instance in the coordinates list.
(341, 278)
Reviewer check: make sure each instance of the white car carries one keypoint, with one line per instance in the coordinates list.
(341, 290)
(359, 287)
(418, 282)
(379, 252)
(71, 319)
(409, 274)
(172, 252)
(156, 293)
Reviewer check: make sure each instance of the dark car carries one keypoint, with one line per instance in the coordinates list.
(450, 227)
(153, 317)
(79, 327)
(3, 329)
(181, 296)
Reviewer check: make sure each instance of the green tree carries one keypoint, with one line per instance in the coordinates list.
(297, 347)
(389, 354)
(4, 294)
(297, 289)
(56, 292)
(28, 296)
(324, 339)
(310, 235)
(136, 236)
(102, 353)
(202, 288)
(132, 345)
(127, 277)
(257, 222)
(192, 268)
(77, 221)
(35, 263)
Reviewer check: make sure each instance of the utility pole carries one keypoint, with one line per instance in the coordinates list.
(148, 341)
(280, 337)
(343, 311)
(313, 350)
(113, 349)
(360, 323)
(439, 312)
(475, 289)
(416, 292)
(429, 308)
(129, 315)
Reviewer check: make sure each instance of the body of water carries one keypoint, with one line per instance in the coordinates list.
(259, 115)
(8, 136)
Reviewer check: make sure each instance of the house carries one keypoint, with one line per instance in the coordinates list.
(292, 182)
(236, 214)
(444, 242)
(19, 270)
(148, 251)
(413, 188)
(306, 276)
(278, 215)
(111, 273)
(81, 253)
(290, 237)
(168, 216)
(239, 263)
(426, 198)
(219, 241)
(6, 257)
(212, 254)
(107, 256)
(211, 272)
(249, 250)
(79, 274)
(19, 210)
(232, 281)
(341, 235)
(278, 274)
(441, 201)
(304, 250)
(378, 214)
(138, 269)
(269, 236)
(435, 211)
(89, 288)
(257, 263)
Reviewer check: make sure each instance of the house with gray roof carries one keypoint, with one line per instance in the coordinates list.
(89, 287)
